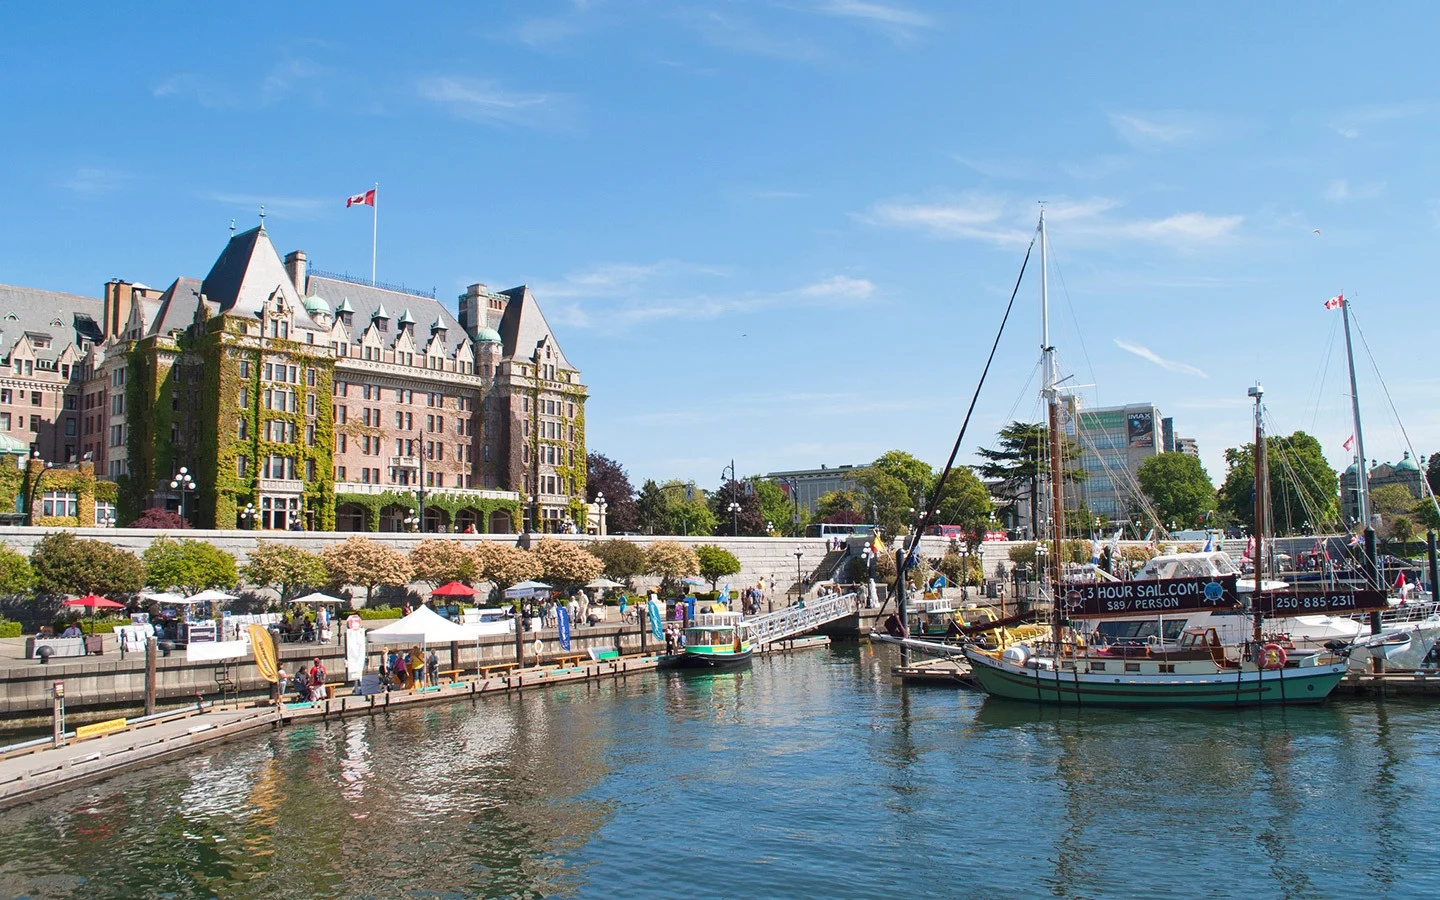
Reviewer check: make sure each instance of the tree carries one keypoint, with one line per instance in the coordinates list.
(1178, 487)
(504, 565)
(1019, 461)
(887, 499)
(749, 520)
(16, 576)
(965, 501)
(787, 516)
(606, 476)
(956, 566)
(65, 564)
(566, 565)
(285, 569)
(650, 505)
(716, 563)
(359, 560)
(186, 565)
(1392, 503)
(1402, 529)
(671, 561)
(623, 560)
(681, 509)
(1432, 475)
(1303, 487)
(843, 507)
(439, 561)
(162, 519)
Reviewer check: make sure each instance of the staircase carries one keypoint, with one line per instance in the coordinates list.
(801, 617)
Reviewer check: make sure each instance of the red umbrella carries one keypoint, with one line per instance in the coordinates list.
(94, 601)
(453, 589)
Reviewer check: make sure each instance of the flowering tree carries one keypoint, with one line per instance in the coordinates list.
(359, 560)
(504, 564)
(439, 561)
(566, 565)
(671, 561)
(286, 569)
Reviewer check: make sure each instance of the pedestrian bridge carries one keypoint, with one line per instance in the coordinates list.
(801, 617)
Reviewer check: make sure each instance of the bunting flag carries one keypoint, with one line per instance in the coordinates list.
(562, 621)
(1335, 302)
(1115, 542)
(1209, 543)
(657, 620)
(365, 199)
(1354, 540)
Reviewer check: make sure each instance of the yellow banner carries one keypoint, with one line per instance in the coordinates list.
(109, 726)
(263, 646)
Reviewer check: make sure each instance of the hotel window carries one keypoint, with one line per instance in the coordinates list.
(69, 427)
(309, 470)
(340, 443)
(34, 423)
(309, 404)
(59, 503)
(310, 435)
(242, 466)
(6, 396)
(244, 398)
(310, 377)
(4, 421)
(339, 473)
(104, 513)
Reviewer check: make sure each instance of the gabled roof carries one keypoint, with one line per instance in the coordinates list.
(25, 309)
(176, 311)
(364, 300)
(523, 326)
(247, 274)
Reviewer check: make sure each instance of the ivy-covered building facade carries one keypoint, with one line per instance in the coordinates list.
(295, 399)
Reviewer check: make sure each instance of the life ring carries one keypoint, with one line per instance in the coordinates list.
(1272, 656)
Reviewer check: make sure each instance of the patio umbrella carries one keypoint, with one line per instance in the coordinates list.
(527, 589)
(211, 596)
(692, 580)
(170, 599)
(317, 598)
(453, 589)
(93, 602)
(603, 583)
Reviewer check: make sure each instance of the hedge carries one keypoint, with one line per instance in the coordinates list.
(379, 612)
(9, 628)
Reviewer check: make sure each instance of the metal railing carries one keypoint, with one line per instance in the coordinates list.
(801, 617)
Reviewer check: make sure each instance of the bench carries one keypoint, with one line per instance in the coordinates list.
(450, 674)
(569, 659)
(601, 655)
(491, 670)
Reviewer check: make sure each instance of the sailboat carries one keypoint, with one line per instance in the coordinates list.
(1197, 669)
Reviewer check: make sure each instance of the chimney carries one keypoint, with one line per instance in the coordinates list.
(295, 265)
(472, 308)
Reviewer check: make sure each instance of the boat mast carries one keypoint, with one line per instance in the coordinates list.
(1362, 475)
(1261, 483)
(1052, 400)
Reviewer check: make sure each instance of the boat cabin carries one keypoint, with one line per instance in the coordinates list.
(717, 630)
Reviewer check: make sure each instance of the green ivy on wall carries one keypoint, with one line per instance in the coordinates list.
(373, 504)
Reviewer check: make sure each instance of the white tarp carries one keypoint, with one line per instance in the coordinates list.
(213, 651)
(423, 626)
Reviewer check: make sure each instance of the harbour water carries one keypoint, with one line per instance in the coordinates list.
(809, 775)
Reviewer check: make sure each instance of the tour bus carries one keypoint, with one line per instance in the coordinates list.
(827, 530)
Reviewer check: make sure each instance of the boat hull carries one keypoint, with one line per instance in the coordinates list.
(709, 661)
(1311, 684)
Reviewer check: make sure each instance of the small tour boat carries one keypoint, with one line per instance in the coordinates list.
(713, 641)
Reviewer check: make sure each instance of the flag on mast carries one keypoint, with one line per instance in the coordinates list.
(1349, 443)
(368, 198)
(1335, 302)
(365, 199)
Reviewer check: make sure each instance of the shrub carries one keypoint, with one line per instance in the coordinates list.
(191, 566)
(716, 563)
(9, 628)
(369, 613)
(155, 517)
(65, 564)
(286, 569)
(623, 559)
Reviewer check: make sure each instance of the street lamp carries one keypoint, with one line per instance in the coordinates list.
(182, 482)
(734, 510)
(769, 528)
(1040, 554)
(411, 522)
(247, 515)
(799, 588)
(600, 502)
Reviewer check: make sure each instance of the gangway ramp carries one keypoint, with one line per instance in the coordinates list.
(801, 617)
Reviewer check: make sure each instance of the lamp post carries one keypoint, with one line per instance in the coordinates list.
(411, 522)
(734, 510)
(799, 587)
(769, 528)
(247, 515)
(600, 502)
(1040, 554)
(183, 483)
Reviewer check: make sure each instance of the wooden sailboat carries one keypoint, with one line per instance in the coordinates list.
(1198, 669)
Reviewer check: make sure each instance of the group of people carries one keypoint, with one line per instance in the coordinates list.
(306, 628)
(674, 639)
(579, 608)
(412, 669)
(305, 684)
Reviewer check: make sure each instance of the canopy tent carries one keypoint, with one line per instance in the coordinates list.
(453, 589)
(172, 599)
(604, 583)
(211, 596)
(527, 589)
(317, 598)
(692, 580)
(423, 626)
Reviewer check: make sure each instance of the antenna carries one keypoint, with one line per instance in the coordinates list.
(262, 215)
(232, 228)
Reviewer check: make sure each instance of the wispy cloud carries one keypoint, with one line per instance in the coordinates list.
(93, 181)
(1171, 365)
(728, 31)
(974, 217)
(889, 14)
(1155, 129)
(288, 77)
(1340, 190)
(487, 102)
(1356, 122)
(1183, 228)
(280, 207)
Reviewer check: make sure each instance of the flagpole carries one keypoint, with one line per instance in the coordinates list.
(374, 231)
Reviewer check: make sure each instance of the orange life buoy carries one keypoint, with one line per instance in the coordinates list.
(1272, 656)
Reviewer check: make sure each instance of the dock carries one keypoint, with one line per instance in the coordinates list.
(37, 768)
(1418, 683)
(945, 671)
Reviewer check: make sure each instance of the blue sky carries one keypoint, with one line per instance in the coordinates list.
(783, 232)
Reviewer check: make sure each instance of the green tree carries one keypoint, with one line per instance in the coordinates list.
(284, 568)
(843, 507)
(65, 564)
(716, 563)
(188, 566)
(788, 517)
(650, 506)
(1392, 502)
(1178, 487)
(1432, 474)
(623, 560)
(965, 501)
(1402, 529)
(16, 576)
(1019, 460)
(677, 507)
(748, 520)
(1303, 487)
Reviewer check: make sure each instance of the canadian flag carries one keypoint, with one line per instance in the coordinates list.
(1333, 303)
(1349, 443)
(365, 199)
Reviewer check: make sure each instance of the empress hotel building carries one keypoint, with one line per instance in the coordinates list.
(298, 400)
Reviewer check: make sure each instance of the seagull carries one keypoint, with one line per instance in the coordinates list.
(1317, 231)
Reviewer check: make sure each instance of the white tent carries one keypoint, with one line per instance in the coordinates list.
(423, 626)
(167, 599)
(528, 589)
(317, 598)
(212, 596)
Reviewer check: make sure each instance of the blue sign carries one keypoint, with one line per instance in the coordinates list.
(562, 622)
(657, 620)
(689, 609)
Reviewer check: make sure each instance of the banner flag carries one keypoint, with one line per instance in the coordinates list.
(262, 644)
(562, 622)
(657, 620)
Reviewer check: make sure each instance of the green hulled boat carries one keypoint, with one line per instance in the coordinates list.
(713, 641)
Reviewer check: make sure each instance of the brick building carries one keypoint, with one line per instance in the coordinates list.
(298, 399)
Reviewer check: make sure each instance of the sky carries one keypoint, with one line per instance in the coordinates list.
(784, 232)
